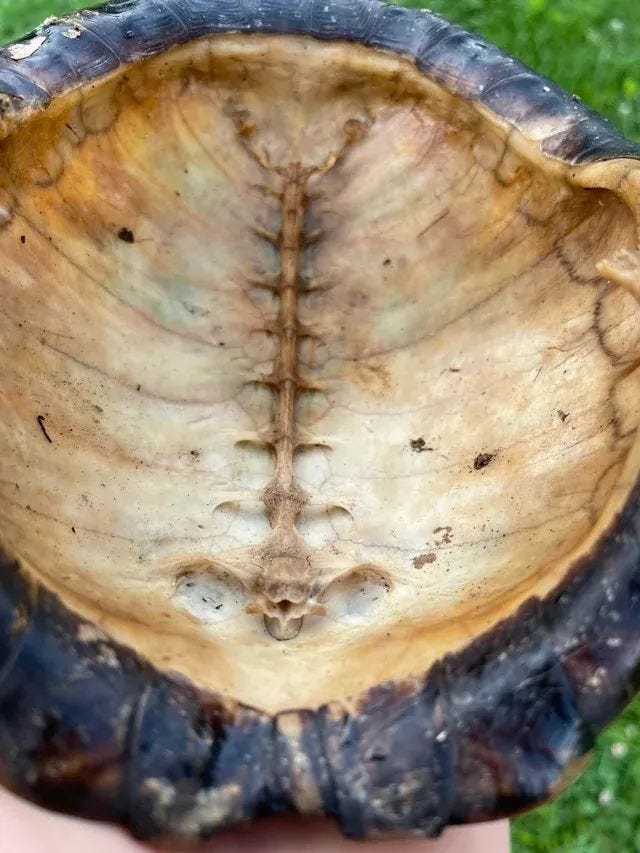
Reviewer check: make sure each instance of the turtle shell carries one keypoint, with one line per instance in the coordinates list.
(318, 412)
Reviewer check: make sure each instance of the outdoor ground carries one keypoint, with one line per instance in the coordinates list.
(592, 47)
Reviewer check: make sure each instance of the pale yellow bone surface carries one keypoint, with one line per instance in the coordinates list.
(289, 332)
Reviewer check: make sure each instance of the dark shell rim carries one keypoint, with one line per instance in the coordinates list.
(465, 64)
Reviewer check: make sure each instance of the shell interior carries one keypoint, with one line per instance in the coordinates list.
(312, 372)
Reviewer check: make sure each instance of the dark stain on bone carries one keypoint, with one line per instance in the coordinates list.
(445, 533)
(43, 428)
(563, 415)
(482, 460)
(419, 445)
(355, 130)
(423, 559)
(126, 235)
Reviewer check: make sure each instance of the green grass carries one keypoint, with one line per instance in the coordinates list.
(19, 16)
(600, 812)
(592, 47)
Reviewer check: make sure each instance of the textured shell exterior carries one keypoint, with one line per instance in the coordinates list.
(88, 727)
(52, 61)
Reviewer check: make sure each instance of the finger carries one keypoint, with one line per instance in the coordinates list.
(289, 835)
(27, 829)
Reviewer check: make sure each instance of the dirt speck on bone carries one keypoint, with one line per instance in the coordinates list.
(126, 235)
(424, 559)
(482, 460)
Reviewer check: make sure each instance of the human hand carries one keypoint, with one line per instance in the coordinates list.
(27, 829)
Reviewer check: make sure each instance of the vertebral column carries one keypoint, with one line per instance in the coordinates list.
(285, 554)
